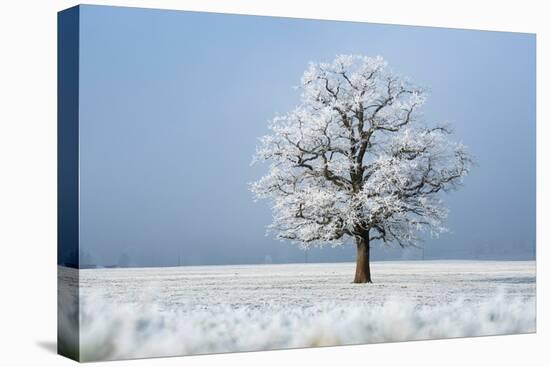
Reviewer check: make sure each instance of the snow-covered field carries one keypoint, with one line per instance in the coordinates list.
(132, 313)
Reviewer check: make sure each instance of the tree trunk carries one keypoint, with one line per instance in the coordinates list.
(362, 270)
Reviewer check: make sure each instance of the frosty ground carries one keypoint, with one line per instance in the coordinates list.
(131, 313)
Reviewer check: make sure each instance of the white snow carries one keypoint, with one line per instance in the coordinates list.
(132, 313)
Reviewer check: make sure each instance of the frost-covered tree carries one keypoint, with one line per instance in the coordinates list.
(355, 160)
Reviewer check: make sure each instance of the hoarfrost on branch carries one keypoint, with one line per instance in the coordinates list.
(356, 157)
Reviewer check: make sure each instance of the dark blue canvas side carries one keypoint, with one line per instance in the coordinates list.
(67, 181)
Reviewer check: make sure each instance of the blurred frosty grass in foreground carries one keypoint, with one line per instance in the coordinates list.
(134, 313)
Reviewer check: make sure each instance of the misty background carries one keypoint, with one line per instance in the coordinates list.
(172, 104)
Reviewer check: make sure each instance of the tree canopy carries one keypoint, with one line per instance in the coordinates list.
(356, 157)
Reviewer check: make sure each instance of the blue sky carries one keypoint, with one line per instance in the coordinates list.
(172, 104)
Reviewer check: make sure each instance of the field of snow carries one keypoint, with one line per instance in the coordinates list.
(133, 313)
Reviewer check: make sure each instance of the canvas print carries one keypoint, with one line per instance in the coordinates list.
(233, 183)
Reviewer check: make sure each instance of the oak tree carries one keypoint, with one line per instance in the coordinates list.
(356, 161)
